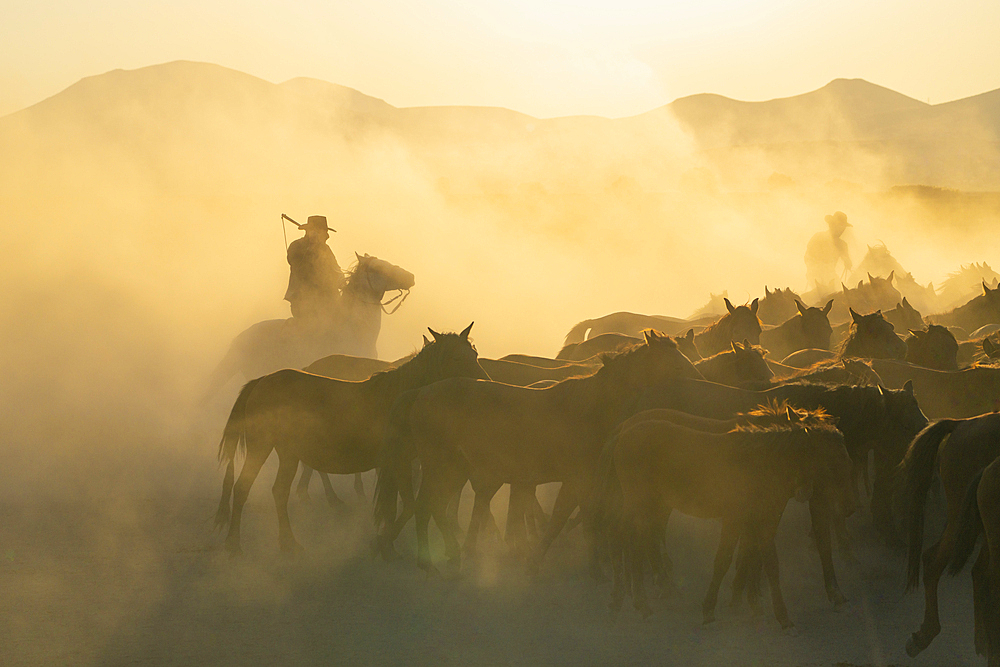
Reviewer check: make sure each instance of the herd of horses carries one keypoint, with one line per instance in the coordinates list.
(724, 418)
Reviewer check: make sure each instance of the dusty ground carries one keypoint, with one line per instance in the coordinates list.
(113, 577)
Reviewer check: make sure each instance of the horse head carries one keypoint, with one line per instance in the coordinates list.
(872, 337)
(816, 324)
(647, 364)
(377, 276)
(934, 347)
(744, 323)
(450, 355)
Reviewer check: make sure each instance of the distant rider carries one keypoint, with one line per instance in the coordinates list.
(825, 250)
(316, 279)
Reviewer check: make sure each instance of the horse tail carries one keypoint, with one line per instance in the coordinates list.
(969, 525)
(232, 441)
(578, 333)
(395, 466)
(917, 471)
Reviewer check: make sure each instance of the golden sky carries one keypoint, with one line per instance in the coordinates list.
(545, 58)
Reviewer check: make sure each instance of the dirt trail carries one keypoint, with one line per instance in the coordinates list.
(118, 579)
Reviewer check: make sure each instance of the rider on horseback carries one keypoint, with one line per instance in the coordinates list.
(316, 279)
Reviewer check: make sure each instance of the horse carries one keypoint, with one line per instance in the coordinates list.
(981, 513)
(960, 286)
(957, 450)
(876, 294)
(980, 311)
(744, 477)
(934, 347)
(991, 349)
(330, 425)
(490, 434)
(607, 342)
(879, 261)
(715, 307)
(777, 306)
(629, 324)
(740, 323)
(839, 371)
(872, 419)
(352, 329)
(871, 337)
(687, 346)
(904, 316)
(808, 329)
(952, 394)
(742, 365)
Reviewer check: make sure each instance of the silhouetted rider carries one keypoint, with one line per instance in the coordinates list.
(315, 279)
(825, 250)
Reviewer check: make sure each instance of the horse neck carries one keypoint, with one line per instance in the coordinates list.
(715, 337)
(391, 383)
(362, 309)
(598, 398)
(723, 363)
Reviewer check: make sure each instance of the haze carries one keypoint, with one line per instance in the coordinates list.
(542, 58)
(533, 165)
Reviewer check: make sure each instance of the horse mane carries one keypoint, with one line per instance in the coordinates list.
(773, 416)
(614, 360)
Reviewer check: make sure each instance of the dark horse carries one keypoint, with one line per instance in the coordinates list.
(353, 328)
(934, 347)
(777, 306)
(973, 444)
(330, 425)
(871, 337)
(982, 310)
(491, 434)
(808, 329)
(981, 513)
(744, 477)
(740, 323)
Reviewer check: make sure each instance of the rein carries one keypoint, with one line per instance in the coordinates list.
(404, 293)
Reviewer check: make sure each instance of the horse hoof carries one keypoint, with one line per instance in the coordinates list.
(913, 648)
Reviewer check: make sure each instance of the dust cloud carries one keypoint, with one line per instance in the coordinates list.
(142, 234)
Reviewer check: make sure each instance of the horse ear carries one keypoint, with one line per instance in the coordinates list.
(358, 256)
(426, 342)
(766, 293)
(800, 307)
(690, 335)
(986, 289)
(736, 346)
(879, 313)
(732, 310)
(870, 279)
(861, 283)
(854, 316)
(892, 274)
(843, 287)
(746, 343)
(988, 347)
(908, 387)
(827, 307)
(434, 333)
(881, 391)
(754, 305)
(465, 332)
(915, 334)
(906, 303)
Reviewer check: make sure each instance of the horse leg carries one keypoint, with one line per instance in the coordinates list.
(980, 600)
(422, 516)
(617, 549)
(452, 486)
(302, 490)
(480, 509)
(660, 561)
(819, 512)
(641, 536)
(723, 559)
(935, 559)
(251, 467)
(359, 486)
(566, 502)
(332, 499)
(287, 466)
(769, 555)
(993, 593)
(515, 532)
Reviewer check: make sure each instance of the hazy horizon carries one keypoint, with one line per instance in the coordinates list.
(546, 59)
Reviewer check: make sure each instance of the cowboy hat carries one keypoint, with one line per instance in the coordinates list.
(317, 222)
(839, 219)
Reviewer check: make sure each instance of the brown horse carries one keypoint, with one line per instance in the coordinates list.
(808, 329)
(981, 513)
(871, 337)
(876, 294)
(904, 316)
(491, 434)
(973, 444)
(607, 342)
(980, 311)
(953, 394)
(744, 477)
(740, 323)
(934, 347)
(777, 306)
(629, 324)
(330, 425)
(741, 366)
